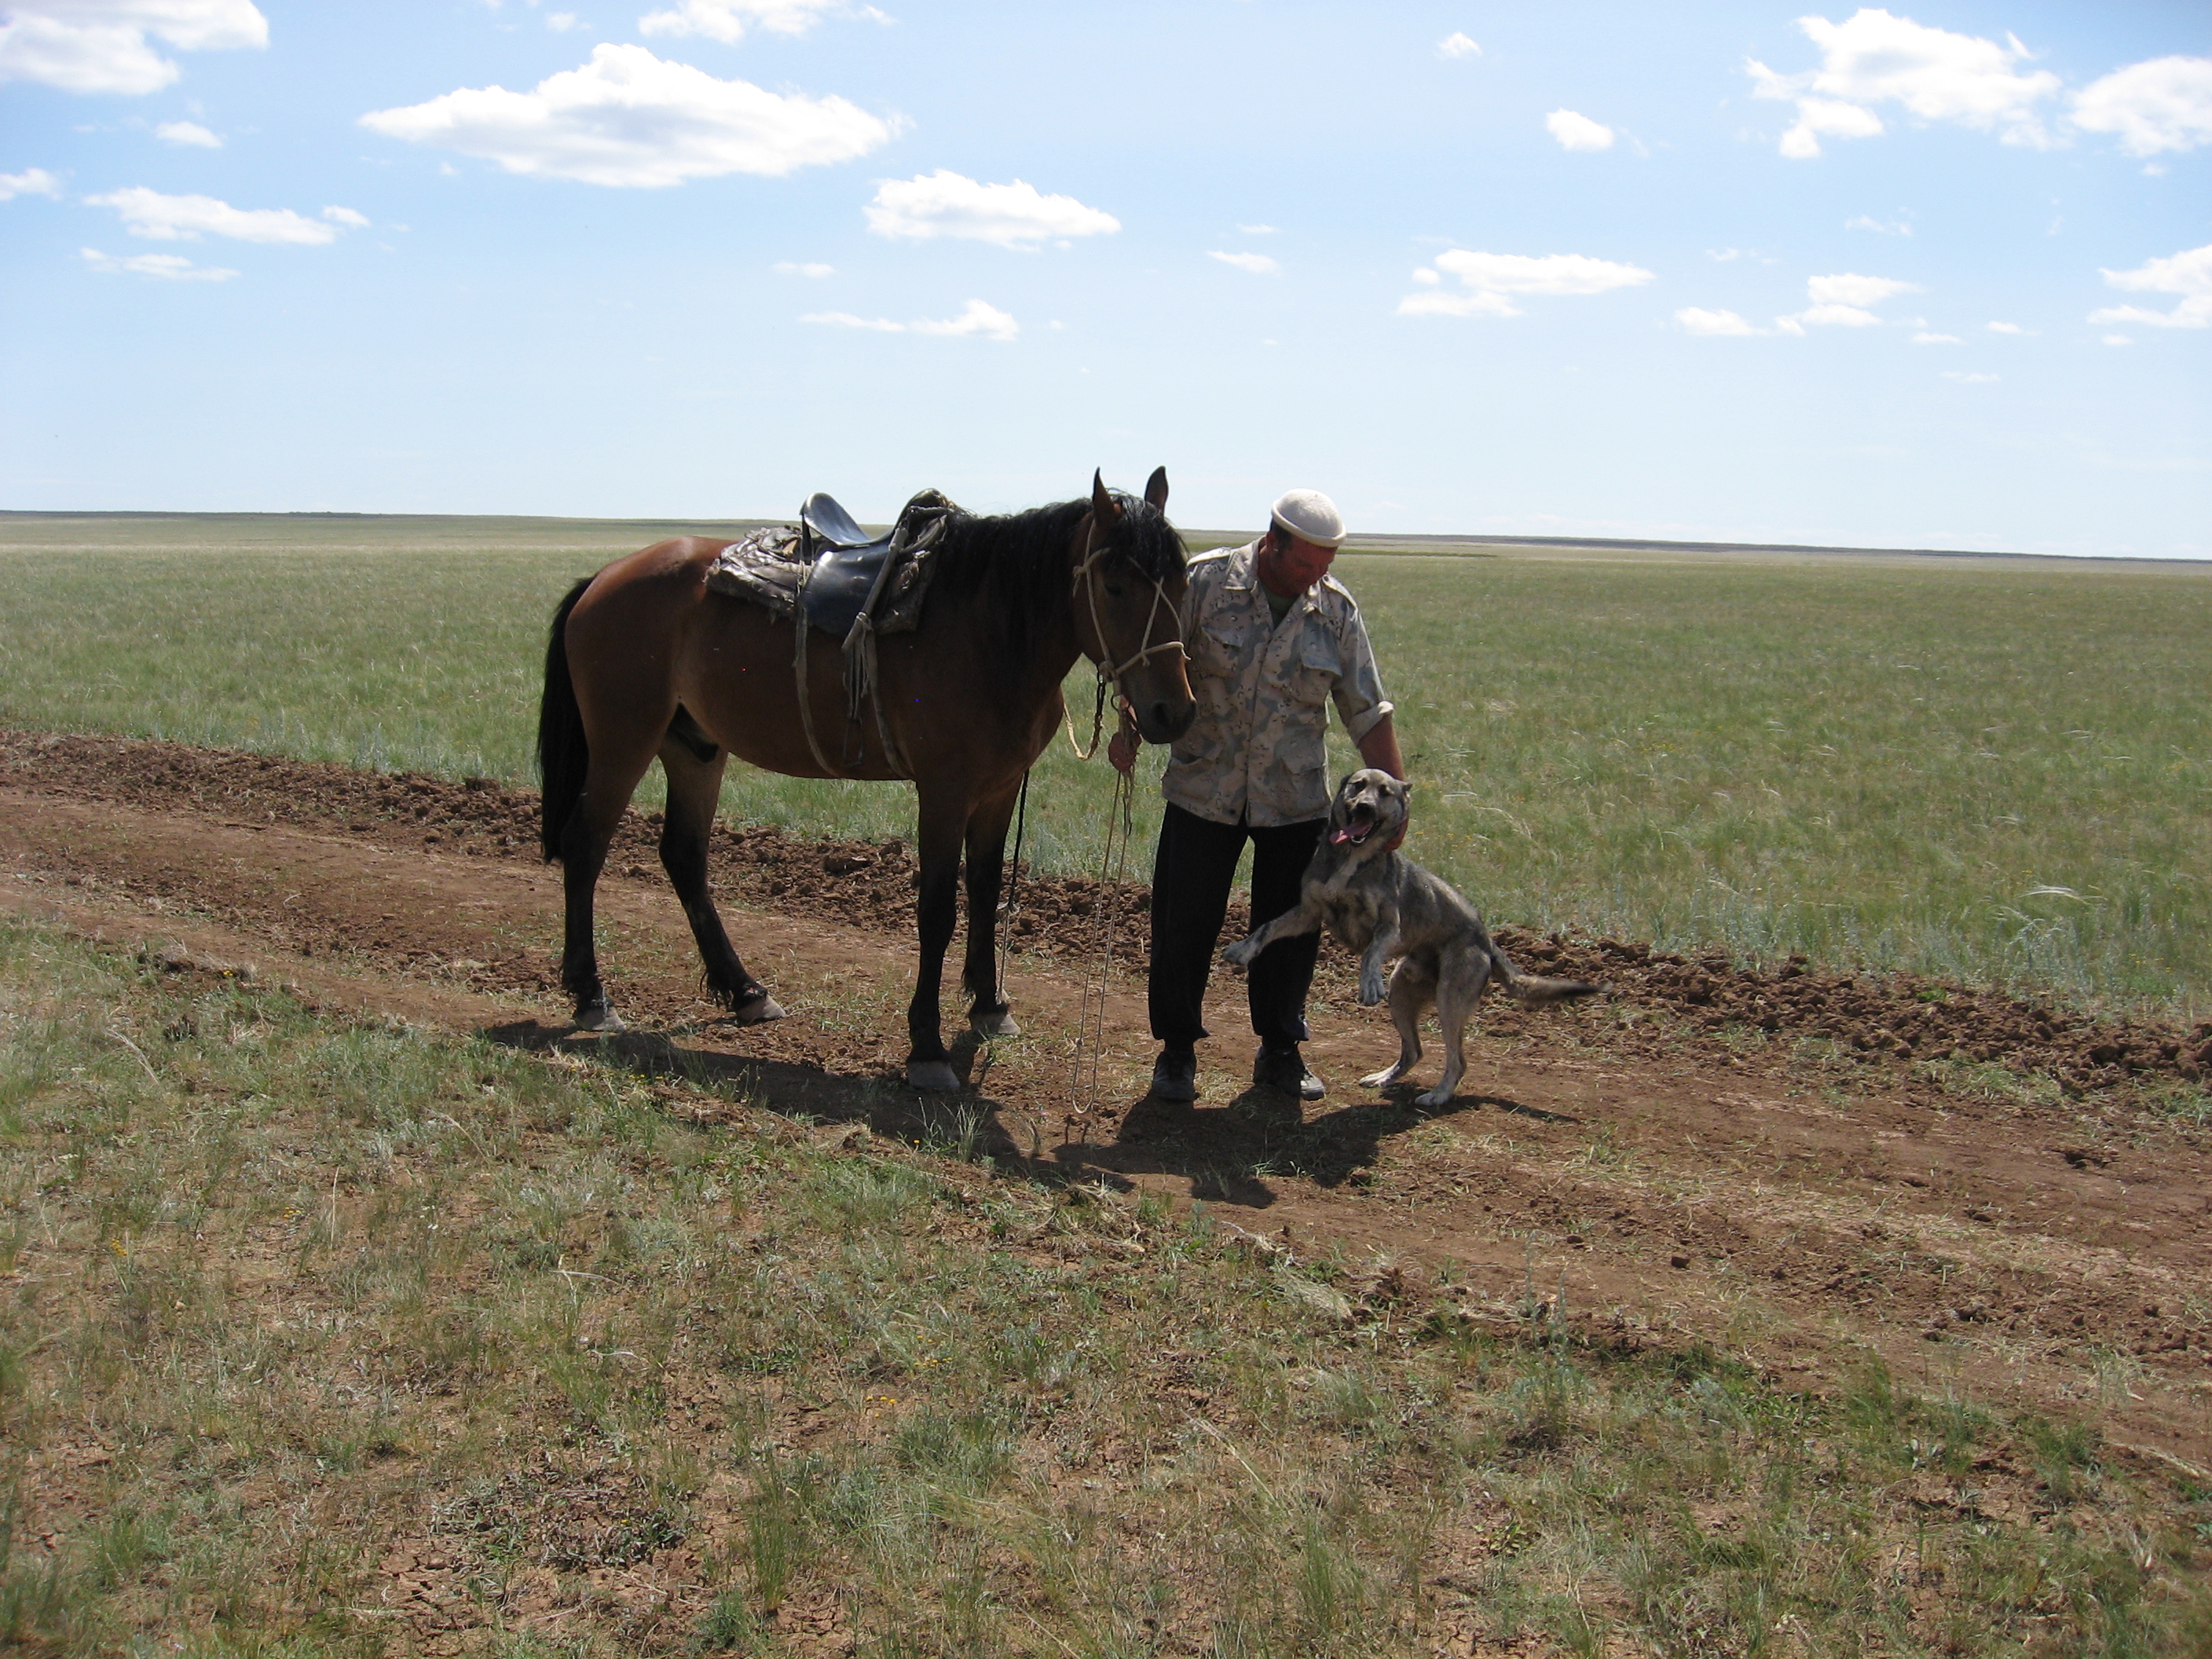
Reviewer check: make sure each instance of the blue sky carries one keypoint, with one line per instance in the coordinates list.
(1934, 277)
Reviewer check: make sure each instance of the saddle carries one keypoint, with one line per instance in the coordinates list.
(850, 564)
(845, 583)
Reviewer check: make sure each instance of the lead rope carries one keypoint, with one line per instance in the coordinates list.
(1011, 905)
(1113, 875)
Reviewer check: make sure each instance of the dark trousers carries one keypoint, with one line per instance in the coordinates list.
(1191, 877)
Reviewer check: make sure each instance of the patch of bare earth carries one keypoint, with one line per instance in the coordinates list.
(1796, 1168)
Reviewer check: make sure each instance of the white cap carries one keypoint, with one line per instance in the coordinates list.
(1310, 516)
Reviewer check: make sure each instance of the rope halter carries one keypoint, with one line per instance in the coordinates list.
(1107, 668)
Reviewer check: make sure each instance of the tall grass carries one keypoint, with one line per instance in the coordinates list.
(1992, 773)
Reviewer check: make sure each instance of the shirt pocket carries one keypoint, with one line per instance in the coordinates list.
(1214, 646)
(1318, 667)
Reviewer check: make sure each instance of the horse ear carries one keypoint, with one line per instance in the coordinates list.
(1156, 489)
(1103, 511)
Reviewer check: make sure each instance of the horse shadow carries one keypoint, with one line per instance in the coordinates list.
(970, 1124)
(1227, 1154)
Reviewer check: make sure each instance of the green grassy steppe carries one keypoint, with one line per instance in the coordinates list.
(1989, 771)
(323, 1339)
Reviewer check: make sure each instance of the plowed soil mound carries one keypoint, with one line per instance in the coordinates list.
(1899, 1016)
(1994, 1196)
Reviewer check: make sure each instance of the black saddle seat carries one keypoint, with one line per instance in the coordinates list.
(846, 567)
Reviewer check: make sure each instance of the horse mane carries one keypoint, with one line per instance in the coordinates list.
(1020, 560)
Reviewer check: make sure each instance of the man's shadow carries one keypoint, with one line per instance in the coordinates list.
(1228, 1153)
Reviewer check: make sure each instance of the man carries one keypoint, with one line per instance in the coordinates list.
(1272, 640)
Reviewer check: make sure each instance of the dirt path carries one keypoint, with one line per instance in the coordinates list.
(1803, 1194)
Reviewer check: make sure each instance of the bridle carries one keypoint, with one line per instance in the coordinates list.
(1109, 671)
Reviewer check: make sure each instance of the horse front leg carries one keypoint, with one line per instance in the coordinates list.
(936, 906)
(987, 1016)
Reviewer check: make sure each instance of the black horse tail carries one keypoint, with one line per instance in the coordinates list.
(564, 754)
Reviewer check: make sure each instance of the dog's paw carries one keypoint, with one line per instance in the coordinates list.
(1438, 1096)
(1240, 954)
(1371, 990)
(1381, 1080)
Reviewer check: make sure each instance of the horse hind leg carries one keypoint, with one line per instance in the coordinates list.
(613, 774)
(694, 768)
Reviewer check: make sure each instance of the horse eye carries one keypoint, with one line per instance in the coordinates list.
(1115, 590)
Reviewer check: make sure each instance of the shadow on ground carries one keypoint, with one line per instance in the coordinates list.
(1227, 1154)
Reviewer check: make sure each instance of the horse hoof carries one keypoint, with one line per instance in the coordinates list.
(599, 1016)
(993, 1022)
(933, 1075)
(760, 1010)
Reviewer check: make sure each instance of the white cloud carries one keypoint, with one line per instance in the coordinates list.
(1847, 288)
(2164, 104)
(1838, 316)
(1723, 254)
(1865, 222)
(1577, 131)
(2188, 275)
(189, 134)
(2006, 328)
(847, 319)
(1257, 230)
(167, 267)
(1966, 378)
(2118, 339)
(346, 217)
(1257, 263)
(793, 268)
(1925, 338)
(1491, 278)
(627, 120)
(1697, 321)
(1841, 301)
(1438, 302)
(980, 319)
(562, 21)
(162, 218)
(32, 181)
(726, 21)
(1458, 44)
(946, 204)
(1873, 58)
(100, 45)
(1816, 116)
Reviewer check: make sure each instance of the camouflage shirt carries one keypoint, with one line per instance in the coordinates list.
(1255, 752)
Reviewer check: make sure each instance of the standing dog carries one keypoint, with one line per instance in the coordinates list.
(1383, 906)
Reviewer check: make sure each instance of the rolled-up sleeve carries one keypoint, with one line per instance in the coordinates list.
(1359, 700)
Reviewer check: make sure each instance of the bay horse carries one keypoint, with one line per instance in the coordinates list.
(644, 661)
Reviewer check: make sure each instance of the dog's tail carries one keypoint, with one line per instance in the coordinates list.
(1533, 990)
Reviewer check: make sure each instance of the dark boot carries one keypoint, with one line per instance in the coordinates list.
(1284, 1069)
(1175, 1076)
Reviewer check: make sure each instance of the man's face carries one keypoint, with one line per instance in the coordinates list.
(1290, 566)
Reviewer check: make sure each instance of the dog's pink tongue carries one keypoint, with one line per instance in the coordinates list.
(1340, 836)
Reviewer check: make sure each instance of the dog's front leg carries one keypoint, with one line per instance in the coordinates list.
(1297, 919)
(1380, 949)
